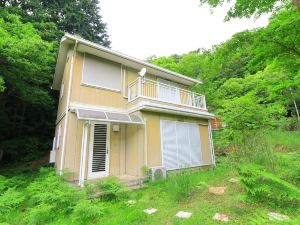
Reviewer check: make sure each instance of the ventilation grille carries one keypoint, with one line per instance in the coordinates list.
(99, 148)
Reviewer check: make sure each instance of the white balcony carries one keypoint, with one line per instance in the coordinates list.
(162, 92)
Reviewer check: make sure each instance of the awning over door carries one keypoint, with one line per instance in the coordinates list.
(105, 116)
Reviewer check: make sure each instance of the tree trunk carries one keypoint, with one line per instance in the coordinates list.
(297, 4)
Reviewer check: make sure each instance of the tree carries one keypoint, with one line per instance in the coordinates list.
(80, 17)
(27, 104)
(247, 8)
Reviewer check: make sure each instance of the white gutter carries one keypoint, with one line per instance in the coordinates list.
(62, 160)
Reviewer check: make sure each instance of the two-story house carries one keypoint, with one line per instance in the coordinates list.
(117, 114)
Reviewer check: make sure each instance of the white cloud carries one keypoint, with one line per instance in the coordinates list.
(141, 28)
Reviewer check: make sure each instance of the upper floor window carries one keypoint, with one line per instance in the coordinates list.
(101, 73)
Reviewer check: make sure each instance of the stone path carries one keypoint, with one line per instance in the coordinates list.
(277, 216)
(221, 217)
(217, 190)
(150, 210)
(183, 214)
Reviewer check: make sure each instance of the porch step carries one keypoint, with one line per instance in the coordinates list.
(132, 182)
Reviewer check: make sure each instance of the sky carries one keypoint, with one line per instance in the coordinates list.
(142, 28)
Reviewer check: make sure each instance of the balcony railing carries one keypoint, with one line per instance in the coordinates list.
(150, 89)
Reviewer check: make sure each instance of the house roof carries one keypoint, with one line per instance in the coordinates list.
(83, 45)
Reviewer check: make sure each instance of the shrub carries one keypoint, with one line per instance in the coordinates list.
(266, 187)
(40, 214)
(182, 185)
(110, 188)
(85, 211)
(11, 199)
(253, 147)
(50, 189)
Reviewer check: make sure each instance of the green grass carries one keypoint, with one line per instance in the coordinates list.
(43, 198)
(163, 195)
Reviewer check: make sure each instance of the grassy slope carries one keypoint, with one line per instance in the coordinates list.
(165, 196)
(202, 204)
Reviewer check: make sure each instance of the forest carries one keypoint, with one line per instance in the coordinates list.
(251, 82)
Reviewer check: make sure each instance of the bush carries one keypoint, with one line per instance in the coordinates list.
(85, 211)
(50, 189)
(109, 188)
(268, 188)
(11, 199)
(253, 147)
(40, 214)
(182, 185)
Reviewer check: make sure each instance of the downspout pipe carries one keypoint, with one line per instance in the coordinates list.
(212, 150)
(86, 126)
(62, 160)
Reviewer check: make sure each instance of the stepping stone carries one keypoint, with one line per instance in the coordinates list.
(217, 190)
(221, 217)
(131, 202)
(277, 216)
(150, 210)
(234, 180)
(183, 214)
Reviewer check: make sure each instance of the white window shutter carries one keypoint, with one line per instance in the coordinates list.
(181, 146)
(169, 145)
(195, 145)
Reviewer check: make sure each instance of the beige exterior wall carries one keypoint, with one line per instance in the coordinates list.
(65, 80)
(58, 150)
(154, 156)
(125, 156)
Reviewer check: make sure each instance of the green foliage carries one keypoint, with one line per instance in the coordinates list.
(245, 8)
(53, 18)
(40, 214)
(161, 195)
(26, 65)
(109, 188)
(85, 211)
(2, 87)
(49, 189)
(11, 199)
(182, 185)
(267, 187)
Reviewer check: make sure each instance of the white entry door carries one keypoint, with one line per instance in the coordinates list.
(99, 151)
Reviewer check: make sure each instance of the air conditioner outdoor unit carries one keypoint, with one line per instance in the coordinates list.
(156, 173)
